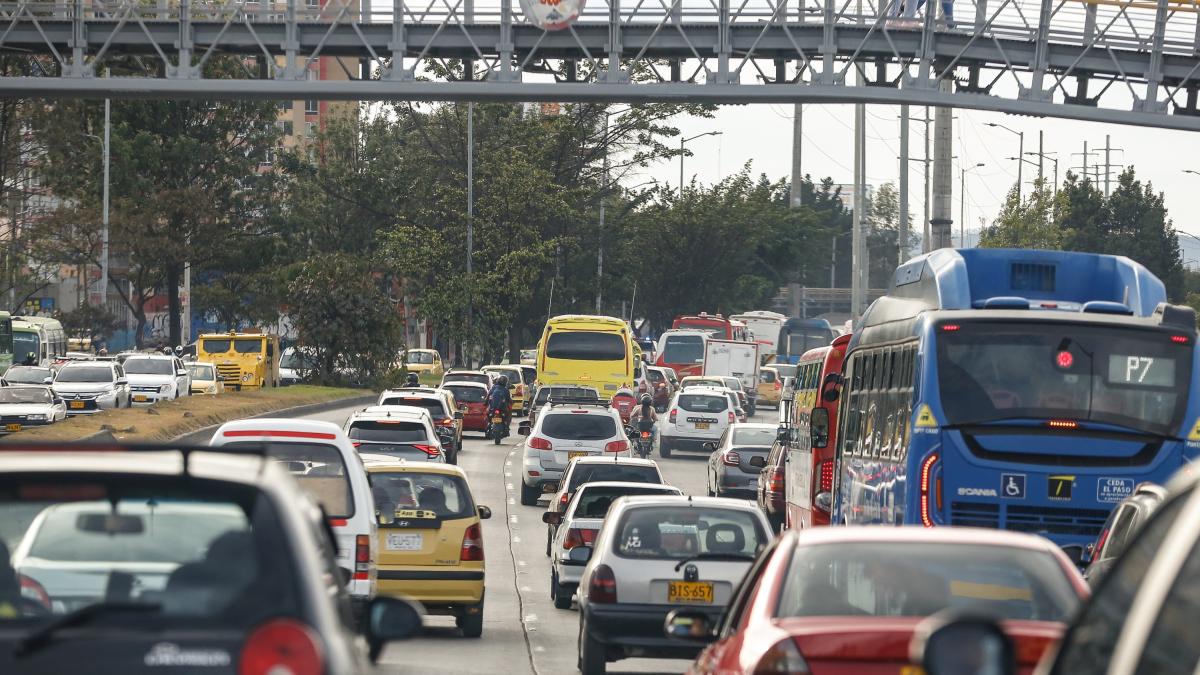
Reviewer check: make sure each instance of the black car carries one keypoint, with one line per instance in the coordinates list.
(144, 560)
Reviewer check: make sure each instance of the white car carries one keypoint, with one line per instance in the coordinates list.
(592, 469)
(29, 406)
(697, 415)
(88, 387)
(562, 432)
(157, 377)
(326, 466)
(655, 554)
(399, 431)
(578, 525)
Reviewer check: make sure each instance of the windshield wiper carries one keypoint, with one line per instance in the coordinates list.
(734, 557)
(41, 637)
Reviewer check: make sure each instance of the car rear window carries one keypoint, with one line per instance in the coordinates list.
(436, 408)
(703, 402)
(655, 376)
(594, 501)
(754, 436)
(528, 375)
(685, 531)
(444, 494)
(586, 346)
(467, 377)
(623, 473)
(394, 431)
(570, 426)
(467, 394)
(766, 376)
(191, 550)
(319, 470)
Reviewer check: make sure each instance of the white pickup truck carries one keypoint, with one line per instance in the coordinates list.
(732, 358)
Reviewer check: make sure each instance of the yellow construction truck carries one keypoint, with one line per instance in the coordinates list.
(245, 360)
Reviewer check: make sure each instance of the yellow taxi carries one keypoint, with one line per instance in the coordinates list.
(426, 362)
(430, 537)
(770, 386)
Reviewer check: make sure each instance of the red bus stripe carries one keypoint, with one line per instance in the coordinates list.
(282, 434)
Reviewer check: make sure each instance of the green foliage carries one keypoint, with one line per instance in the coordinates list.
(88, 320)
(1025, 223)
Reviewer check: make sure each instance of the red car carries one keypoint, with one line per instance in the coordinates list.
(472, 401)
(836, 601)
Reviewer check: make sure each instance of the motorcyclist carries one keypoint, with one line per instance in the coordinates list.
(412, 380)
(644, 416)
(498, 397)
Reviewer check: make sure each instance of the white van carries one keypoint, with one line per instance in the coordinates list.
(324, 463)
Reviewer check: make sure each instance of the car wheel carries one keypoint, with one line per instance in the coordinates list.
(591, 653)
(471, 625)
(664, 450)
(529, 495)
(549, 540)
(560, 594)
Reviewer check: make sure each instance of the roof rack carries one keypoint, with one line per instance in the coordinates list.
(579, 400)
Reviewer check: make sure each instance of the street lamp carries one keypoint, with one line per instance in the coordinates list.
(685, 140)
(962, 203)
(1020, 152)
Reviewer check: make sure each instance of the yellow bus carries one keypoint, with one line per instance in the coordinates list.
(244, 360)
(593, 351)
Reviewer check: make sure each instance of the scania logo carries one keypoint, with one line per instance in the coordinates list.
(976, 492)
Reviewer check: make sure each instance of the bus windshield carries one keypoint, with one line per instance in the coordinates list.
(683, 349)
(25, 344)
(989, 371)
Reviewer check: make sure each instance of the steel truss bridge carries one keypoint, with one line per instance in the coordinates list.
(1125, 61)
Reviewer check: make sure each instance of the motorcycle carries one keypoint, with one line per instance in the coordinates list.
(497, 429)
(642, 439)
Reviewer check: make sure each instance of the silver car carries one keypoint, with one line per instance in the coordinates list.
(655, 554)
(731, 472)
(563, 432)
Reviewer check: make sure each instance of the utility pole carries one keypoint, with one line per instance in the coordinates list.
(470, 216)
(962, 203)
(943, 175)
(902, 253)
(927, 239)
(104, 217)
(1041, 155)
(1107, 162)
(600, 235)
(797, 146)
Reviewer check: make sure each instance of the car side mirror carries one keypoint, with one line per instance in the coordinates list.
(824, 501)
(688, 624)
(783, 434)
(48, 380)
(955, 643)
(388, 619)
(523, 429)
(458, 415)
(758, 461)
(580, 554)
(484, 512)
(181, 372)
(552, 518)
(122, 380)
(818, 425)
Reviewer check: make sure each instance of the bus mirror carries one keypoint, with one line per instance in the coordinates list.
(824, 501)
(818, 425)
(783, 434)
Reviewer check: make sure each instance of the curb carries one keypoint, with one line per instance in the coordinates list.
(201, 436)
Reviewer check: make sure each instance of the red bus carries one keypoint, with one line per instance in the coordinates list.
(717, 326)
(808, 479)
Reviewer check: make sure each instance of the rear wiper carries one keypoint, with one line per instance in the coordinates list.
(41, 637)
(714, 556)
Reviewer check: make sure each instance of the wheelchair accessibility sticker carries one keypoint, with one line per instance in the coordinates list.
(1012, 485)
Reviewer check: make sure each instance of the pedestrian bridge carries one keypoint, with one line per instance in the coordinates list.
(1132, 62)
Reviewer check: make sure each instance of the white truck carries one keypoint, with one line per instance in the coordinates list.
(732, 358)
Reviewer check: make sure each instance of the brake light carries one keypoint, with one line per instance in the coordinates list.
(616, 446)
(356, 443)
(578, 537)
(280, 434)
(1062, 424)
(562, 501)
(776, 483)
(603, 585)
(428, 449)
(537, 443)
(778, 385)
(362, 556)
(671, 417)
(731, 458)
(520, 390)
(826, 481)
(282, 646)
(731, 417)
(926, 471)
(472, 544)
(950, 327)
(446, 421)
(1179, 339)
(783, 658)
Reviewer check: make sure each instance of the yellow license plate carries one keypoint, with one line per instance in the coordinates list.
(701, 425)
(497, 420)
(576, 453)
(139, 399)
(696, 592)
(12, 427)
(77, 405)
(912, 670)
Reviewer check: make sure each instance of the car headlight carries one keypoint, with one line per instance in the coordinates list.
(36, 418)
(111, 393)
(164, 389)
(210, 389)
(247, 377)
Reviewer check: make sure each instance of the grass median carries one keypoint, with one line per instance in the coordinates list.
(168, 419)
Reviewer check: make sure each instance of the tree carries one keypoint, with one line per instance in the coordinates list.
(1138, 227)
(1028, 223)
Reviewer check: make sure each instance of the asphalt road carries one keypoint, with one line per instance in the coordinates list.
(522, 631)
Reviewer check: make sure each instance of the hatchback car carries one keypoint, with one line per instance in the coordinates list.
(430, 537)
(563, 432)
(204, 378)
(770, 387)
(91, 386)
(443, 409)
(396, 431)
(588, 469)
(322, 460)
(29, 406)
(654, 554)
(578, 524)
(164, 558)
(471, 398)
(697, 415)
(1124, 521)
(427, 362)
(156, 377)
(849, 599)
(21, 376)
(731, 471)
(467, 376)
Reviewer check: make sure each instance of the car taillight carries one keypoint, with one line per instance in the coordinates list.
(603, 585)
(731, 459)
(783, 658)
(926, 485)
(472, 544)
(356, 443)
(282, 646)
(778, 385)
(536, 443)
(430, 450)
(577, 537)
(520, 390)
(446, 421)
(562, 501)
(732, 419)
(671, 417)
(826, 479)
(362, 556)
(616, 446)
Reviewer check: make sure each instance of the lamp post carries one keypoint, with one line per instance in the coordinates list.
(962, 203)
(1020, 152)
(682, 141)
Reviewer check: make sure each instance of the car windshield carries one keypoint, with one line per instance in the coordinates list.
(27, 375)
(909, 579)
(678, 532)
(586, 346)
(143, 366)
(610, 471)
(655, 376)
(388, 431)
(201, 372)
(593, 501)
(801, 341)
(569, 426)
(1120, 376)
(86, 374)
(215, 346)
(732, 382)
(190, 549)
(481, 378)
(444, 494)
(467, 394)
(754, 436)
(703, 402)
(248, 345)
(319, 470)
(25, 395)
(419, 358)
(435, 406)
(683, 349)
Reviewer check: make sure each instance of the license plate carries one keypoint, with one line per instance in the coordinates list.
(12, 427)
(140, 399)
(405, 541)
(701, 425)
(697, 592)
(576, 453)
(76, 405)
(497, 420)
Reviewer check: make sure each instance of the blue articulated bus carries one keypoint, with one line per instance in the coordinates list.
(800, 335)
(1015, 389)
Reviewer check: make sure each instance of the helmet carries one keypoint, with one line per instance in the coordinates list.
(646, 400)
(502, 381)
(411, 379)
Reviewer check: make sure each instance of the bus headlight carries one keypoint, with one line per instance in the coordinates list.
(247, 377)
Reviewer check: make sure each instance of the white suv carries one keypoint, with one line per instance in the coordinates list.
(399, 431)
(157, 377)
(91, 386)
(697, 415)
(565, 430)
